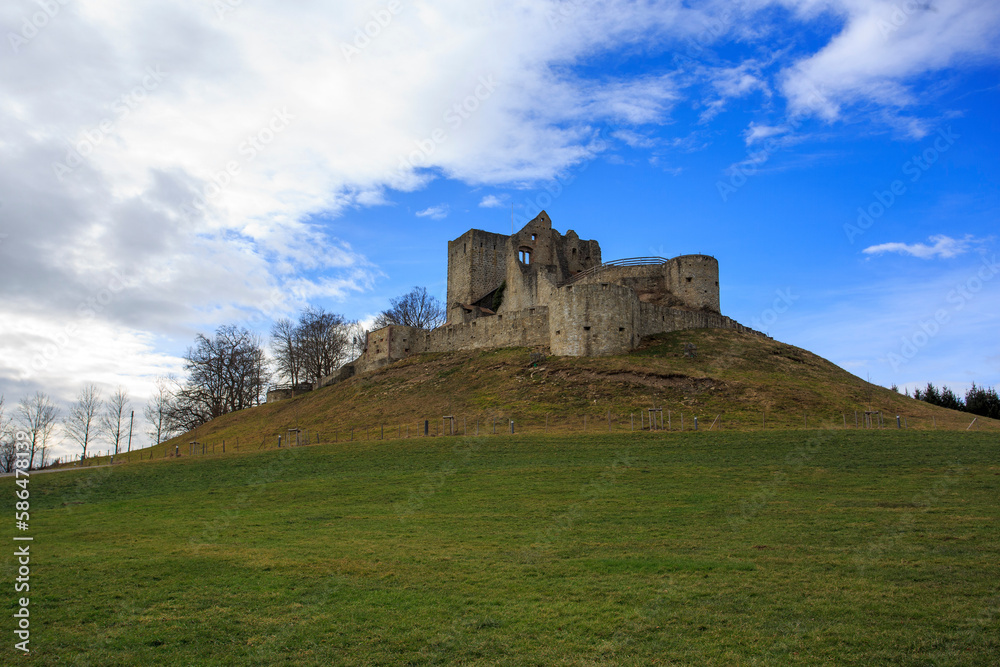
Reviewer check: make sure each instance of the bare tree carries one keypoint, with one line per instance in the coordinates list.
(287, 349)
(83, 419)
(323, 343)
(226, 373)
(115, 418)
(356, 340)
(315, 346)
(416, 308)
(157, 411)
(8, 449)
(36, 416)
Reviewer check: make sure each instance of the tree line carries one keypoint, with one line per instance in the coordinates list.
(225, 372)
(90, 421)
(981, 401)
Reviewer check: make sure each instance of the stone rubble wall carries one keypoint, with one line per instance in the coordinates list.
(592, 320)
(526, 328)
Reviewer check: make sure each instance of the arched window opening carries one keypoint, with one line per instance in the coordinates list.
(524, 255)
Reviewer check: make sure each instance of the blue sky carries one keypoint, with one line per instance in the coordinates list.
(172, 168)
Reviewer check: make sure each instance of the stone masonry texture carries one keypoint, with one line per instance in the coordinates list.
(557, 296)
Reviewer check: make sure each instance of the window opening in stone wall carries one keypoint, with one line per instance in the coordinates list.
(465, 247)
(534, 237)
(524, 254)
(574, 253)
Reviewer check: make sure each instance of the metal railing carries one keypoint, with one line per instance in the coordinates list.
(628, 261)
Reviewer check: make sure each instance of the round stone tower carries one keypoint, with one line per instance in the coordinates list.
(695, 280)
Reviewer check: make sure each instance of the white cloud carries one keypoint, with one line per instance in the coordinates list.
(942, 246)
(932, 325)
(261, 110)
(731, 83)
(151, 108)
(491, 201)
(884, 48)
(634, 139)
(439, 212)
(755, 133)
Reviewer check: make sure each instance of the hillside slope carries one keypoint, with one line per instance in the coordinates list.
(746, 379)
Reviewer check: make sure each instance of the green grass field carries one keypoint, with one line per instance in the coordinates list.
(755, 548)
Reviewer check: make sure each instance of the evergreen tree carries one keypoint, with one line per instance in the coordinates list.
(950, 400)
(983, 401)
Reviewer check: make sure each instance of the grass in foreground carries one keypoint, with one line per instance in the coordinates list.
(804, 547)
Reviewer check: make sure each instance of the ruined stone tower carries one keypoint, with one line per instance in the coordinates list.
(541, 289)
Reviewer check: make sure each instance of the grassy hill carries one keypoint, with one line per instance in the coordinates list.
(745, 545)
(784, 547)
(749, 382)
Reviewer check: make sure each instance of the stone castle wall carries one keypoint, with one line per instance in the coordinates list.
(656, 319)
(282, 392)
(477, 264)
(695, 280)
(604, 312)
(390, 344)
(591, 320)
(688, 281)
(526, 328)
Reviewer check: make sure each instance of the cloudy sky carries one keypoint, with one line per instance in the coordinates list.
(170, 167)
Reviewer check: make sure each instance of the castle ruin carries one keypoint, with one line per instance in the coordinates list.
(541, 289)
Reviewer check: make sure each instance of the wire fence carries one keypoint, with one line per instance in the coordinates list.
(645, 420)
